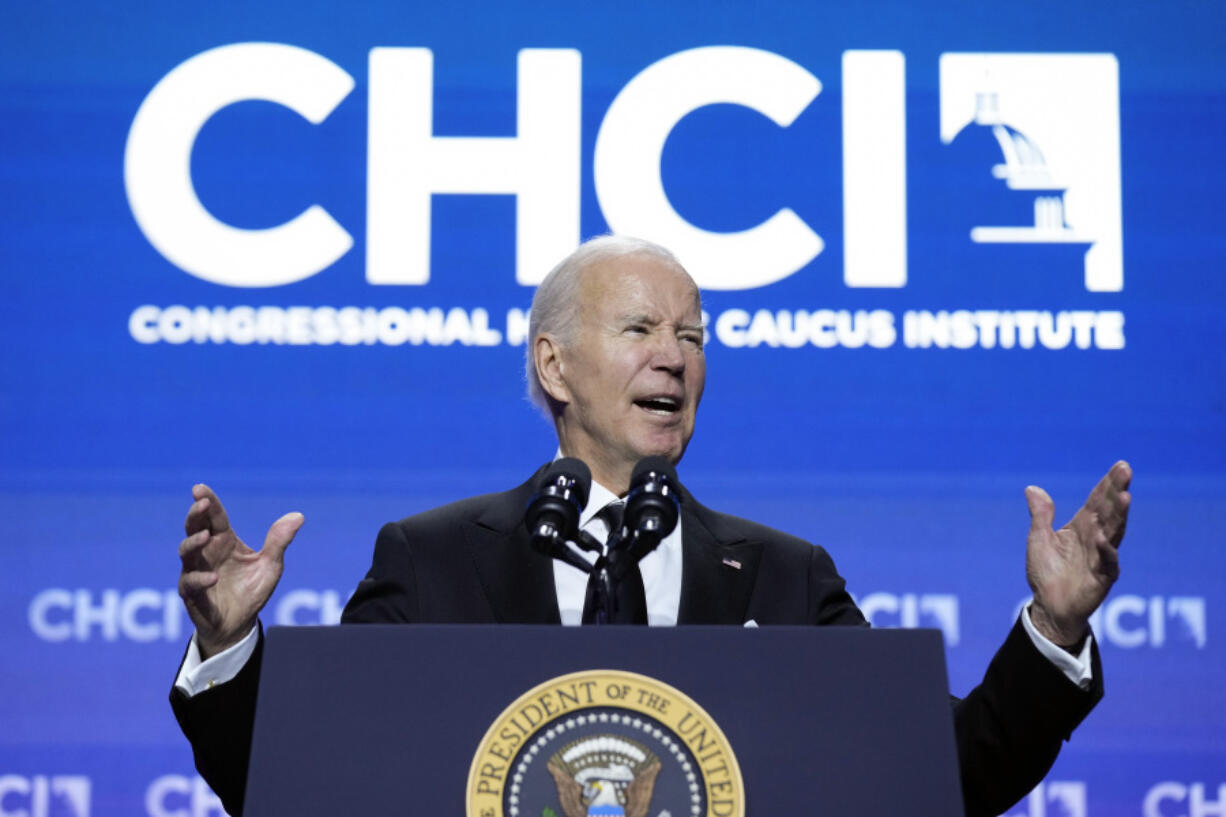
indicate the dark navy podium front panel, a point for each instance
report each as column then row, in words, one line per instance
column 383, row 719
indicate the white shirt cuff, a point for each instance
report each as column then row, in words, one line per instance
column 1075, row 667
column 196, row 675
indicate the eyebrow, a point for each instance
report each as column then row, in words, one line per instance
column 642, row 317
column 638, row 317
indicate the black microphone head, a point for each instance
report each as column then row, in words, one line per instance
column 653, row 504
column 552, row 515
column 649, row 465
column 578, row 474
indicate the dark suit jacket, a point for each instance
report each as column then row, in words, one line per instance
column 471, row 562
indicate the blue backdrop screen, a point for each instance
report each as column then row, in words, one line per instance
column 947, row 250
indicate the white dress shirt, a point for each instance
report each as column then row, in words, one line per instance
column 661, row 569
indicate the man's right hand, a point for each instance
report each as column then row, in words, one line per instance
column 224, row 584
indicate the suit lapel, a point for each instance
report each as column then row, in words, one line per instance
column 517, row 580
column 718, row 569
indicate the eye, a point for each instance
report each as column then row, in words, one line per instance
column 637, row 329
column 692, row 338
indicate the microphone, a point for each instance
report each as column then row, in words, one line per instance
column 653, row 506
column 552, row 515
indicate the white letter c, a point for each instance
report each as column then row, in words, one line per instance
column 631, row 141
column 157, row 164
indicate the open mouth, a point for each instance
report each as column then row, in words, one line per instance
column 661, row 405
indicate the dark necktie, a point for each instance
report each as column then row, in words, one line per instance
column 629, row 602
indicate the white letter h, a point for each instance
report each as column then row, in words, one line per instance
column 407, row 163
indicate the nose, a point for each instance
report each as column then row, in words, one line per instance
column 668, row 355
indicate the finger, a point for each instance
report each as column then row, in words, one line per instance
column 1042, row 509
column 1111, row 511
column 1109, row 560
column 1123, row 503
column 1103, row 495
column 1113, row 483
column 282, row 533
column 190, row 547
column 194, row 582
column 197, row 517
column 1104, row 502
column 206, row 511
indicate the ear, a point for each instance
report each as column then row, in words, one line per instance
column 547, row 356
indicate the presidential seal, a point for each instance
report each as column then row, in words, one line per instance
column 604, row 743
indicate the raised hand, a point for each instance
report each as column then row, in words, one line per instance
column 224, row 584
column 1070, row 570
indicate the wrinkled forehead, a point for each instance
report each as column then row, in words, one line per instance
column 639, row 283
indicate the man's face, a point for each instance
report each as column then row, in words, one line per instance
column 635, row 370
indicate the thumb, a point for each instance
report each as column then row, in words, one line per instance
column 282, row 533
column 1042, row 509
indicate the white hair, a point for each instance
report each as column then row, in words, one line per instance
column 555, row 304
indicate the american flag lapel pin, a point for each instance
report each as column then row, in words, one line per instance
column 732, row 563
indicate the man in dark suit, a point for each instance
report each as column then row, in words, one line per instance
column 615, row 357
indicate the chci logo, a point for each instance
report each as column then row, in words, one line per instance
column 608, row 743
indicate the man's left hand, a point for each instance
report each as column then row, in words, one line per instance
column 1070, row 570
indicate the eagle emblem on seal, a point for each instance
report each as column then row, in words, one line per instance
column 604, row 776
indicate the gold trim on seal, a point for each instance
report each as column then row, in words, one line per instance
column 572, row 693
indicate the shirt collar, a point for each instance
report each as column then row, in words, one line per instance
column 598, row 497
